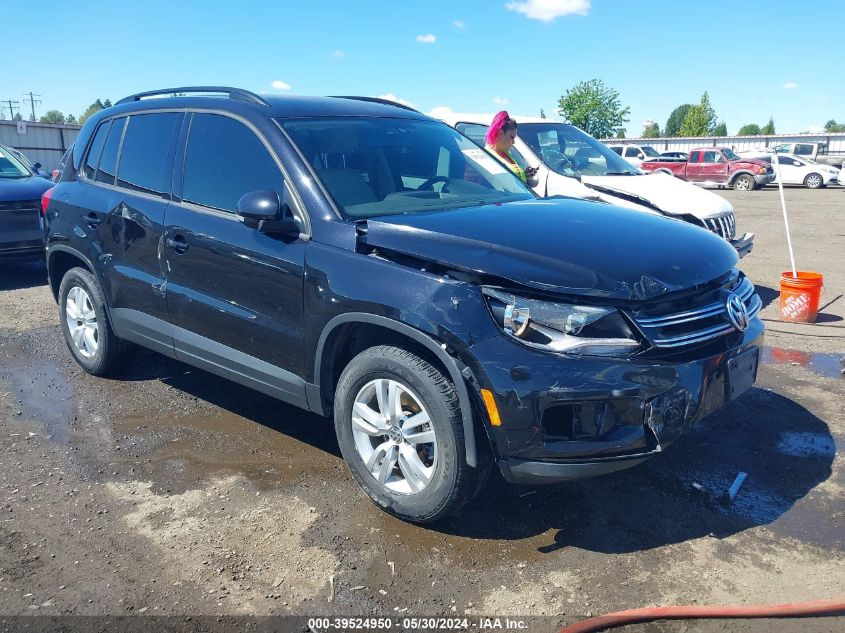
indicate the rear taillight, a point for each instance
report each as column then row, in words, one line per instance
column 45, row 201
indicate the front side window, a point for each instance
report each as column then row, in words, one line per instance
column 712, row 157
column 476, row 132
column 146, row 156
column 224, row 161
column 570, row 152
column 383, row 166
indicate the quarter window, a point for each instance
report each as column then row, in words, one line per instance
column 146, row 157
column 108, row 161
column 225, row 160
column 95, row 150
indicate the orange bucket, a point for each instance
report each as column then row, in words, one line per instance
column 799, row 296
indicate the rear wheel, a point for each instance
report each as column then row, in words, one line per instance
column 400, row 431
column 813, row 181
column 744, row 182
column 85, row 324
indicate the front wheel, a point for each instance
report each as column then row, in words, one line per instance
column 400, row 431
column 744, row 183
column 813, row 181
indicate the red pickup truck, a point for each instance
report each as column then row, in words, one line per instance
column 715, row 166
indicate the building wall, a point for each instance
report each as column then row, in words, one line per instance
column 43, row 143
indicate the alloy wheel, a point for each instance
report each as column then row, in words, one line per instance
column 82, row 322
column 394, row 436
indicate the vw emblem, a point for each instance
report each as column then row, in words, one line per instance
column 737, row 312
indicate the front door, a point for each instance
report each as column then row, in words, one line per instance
column 234, row 294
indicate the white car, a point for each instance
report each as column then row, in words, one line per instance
column 797, row 170
column 574, row 164
column 634, row 154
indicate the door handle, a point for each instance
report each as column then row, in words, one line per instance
column 93, row 220
column 178, row 243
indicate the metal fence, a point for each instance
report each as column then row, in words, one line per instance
column 42, row 142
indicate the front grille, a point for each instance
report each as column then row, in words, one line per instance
column 20, row 205
column 724, row 226
column 698, row 324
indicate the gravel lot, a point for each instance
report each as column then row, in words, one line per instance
column 173, row 492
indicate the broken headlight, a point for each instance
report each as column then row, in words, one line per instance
column 562, row 327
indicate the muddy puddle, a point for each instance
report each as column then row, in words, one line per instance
column 827, row 365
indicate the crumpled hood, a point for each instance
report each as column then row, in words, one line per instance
column 665, row 192
column 31, row 188
column 563, row 246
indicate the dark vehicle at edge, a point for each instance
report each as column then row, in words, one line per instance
column 371, row 264
column 21, row 230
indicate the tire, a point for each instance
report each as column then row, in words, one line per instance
column 377, row 449
column 744, row 182
column 813, row 181
column 86, row 327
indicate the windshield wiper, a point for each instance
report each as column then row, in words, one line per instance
column 621, row 173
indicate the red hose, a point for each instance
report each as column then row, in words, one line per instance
column 830, row 606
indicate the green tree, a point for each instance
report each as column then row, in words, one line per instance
column 595, row 108
column 53, row 116
column 833, row 126
column 542, row 114
column 651, row 131
column 93, row 108
column 752, row 129
column 769, row 128
column 700, row 120
column 620, row 133
column 106, row 104
column 70, row 120
column 721, row 129
column 676, row 120
column 18, row 117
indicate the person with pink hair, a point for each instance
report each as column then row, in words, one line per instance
column 498, row 141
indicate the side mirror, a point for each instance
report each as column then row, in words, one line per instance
column 37, row 166
column 259, row 205
column 796, row 163
column 640, row 155
column 262, row 210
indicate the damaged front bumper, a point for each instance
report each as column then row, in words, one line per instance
column 744, row 244
column 565, row 418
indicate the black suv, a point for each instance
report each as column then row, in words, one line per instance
column 358, row 259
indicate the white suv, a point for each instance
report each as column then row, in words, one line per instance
column 635, row 154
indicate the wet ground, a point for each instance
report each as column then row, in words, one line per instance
column 171, row 491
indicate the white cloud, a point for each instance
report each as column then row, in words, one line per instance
column 440, row 112
column 392, row 97
column 549, row 10
column 500, row 101
column 427, row 39
column 338, row 54
column 280, row 85
column 815, row 129
column 790, row 85
column 458, row 24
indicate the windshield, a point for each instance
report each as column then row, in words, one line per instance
column 730, row 154
column 381, row 166
column 570, row 152
column 11, row 167
column 648, row 150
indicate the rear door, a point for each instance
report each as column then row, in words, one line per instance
column 130, row 172
column 234, row 294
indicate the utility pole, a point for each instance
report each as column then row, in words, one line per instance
column 11, row 105
column 32, row 102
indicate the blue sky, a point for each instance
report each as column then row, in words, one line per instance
column 756, row 58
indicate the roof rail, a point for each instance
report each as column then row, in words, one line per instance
column 233, row 93
column 377, row 100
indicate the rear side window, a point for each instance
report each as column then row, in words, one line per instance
column 146, row 157
column 225, row 160
column 108, row 161
column 617, row 149
column 95, row 150
column 802, row 149
column 631, row 152
column 695, row 157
